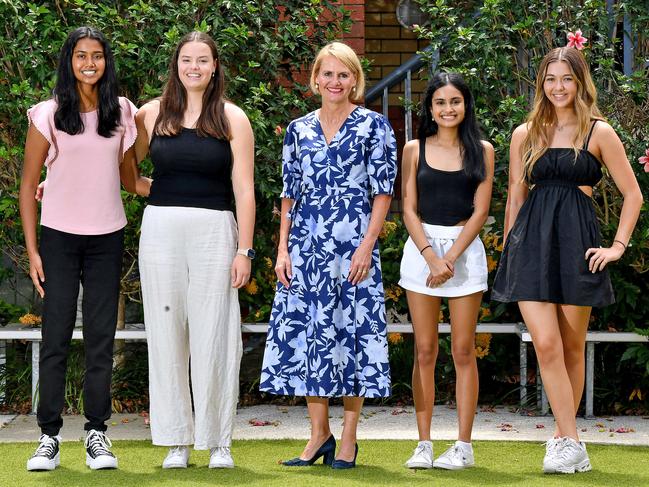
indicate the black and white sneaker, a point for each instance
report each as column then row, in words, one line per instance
column 98, row 454
column 47, row 456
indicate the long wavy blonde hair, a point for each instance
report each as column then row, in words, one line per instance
column 543, row 116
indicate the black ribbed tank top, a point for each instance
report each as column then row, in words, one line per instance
column 193, row 171
column 443, row 197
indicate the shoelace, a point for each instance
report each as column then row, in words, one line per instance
column 176, row 451
column 551, row 444
column 46, row 448
column 456, row 453
column 420, row 449
column 98, row 443
column 221, row 450
column 565, row 448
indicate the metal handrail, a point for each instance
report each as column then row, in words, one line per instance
column 400, row 74
column 397, row 76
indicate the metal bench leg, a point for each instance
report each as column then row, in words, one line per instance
column 523, row 371
column 590, row 377
column 36, row 355
column 544, row 402
column 3, row 362
column 541, row 397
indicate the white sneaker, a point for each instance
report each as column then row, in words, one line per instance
column 220, row 457
column 178, row 457
column 422, row 457
column 457, row 457
column 47, row 455
column 98, row 454
column 568, row 456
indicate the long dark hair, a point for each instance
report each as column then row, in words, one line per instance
column 66, row 117
column 212, row 120
column 471, row 147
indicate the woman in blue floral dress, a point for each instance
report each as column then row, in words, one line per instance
column 327, row 333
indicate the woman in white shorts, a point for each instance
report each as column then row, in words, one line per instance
column 447, row 179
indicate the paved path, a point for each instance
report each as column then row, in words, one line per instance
column 271, row 422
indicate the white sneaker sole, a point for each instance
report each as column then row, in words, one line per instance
column 448, row 466
column 101, row 462
column 221, row 465
column 41, row 463
column 174, row 465
column 583, row 466
column 419, row 465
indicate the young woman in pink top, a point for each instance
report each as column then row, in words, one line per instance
column 82, row 135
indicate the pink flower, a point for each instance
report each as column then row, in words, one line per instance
column 645, row 160
column 576, row 40
column 278, row 130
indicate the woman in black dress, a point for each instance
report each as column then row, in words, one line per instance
column 553, row 263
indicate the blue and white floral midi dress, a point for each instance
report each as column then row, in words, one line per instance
column 327, row 337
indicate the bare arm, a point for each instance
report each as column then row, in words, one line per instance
column 362, row 257
column 129, row 169
column 243, row 185
column 409, row 194
column 613, row 155
column 283, row 264
column 517, row 190
column 36, row 148
column 440, row 269
column 129, row 174
column 481, row 208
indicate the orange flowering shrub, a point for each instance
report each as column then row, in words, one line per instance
column 30, row 319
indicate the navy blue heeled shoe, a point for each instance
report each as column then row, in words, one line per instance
column 342, row 464
column 327, row 450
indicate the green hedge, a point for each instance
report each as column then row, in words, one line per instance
column 262, row 56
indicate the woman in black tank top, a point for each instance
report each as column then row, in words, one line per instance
column 553, row 263
column 194, row 255
column 447, row 179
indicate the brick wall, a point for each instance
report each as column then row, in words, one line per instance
column 356, row 38
column 389, row 45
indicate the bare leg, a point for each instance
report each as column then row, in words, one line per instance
column 424, row 311
column 319, row 415
column 352, row 407
column 573, row 325
column 464, row 315
column 542, row 320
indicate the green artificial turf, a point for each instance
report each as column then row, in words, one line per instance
column 380, row 463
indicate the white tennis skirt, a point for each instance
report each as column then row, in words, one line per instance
column 470, row 274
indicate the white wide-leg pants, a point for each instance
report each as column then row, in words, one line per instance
column 190, row 311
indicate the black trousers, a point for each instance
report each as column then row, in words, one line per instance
column 95, row 261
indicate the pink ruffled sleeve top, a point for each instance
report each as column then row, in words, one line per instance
column 82, row 195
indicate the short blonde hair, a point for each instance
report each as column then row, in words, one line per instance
column 347, row 56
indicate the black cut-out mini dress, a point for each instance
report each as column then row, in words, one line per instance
column 544, row 256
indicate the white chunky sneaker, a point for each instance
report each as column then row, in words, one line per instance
column 178, row 457
column 47, row 455
column 422, row 457
column 459, row 456
column 220, row 457
column 98, row 454
column 567, row 456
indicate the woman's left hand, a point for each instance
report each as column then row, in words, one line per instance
column 598, row 257
column 359, row 268
column 40, row 189
column 240, row 271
